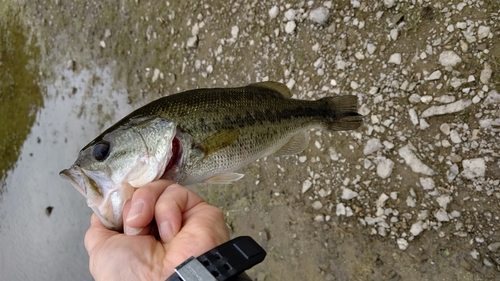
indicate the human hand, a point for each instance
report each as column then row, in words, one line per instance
column 184, row 226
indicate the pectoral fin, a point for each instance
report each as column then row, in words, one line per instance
column 224, row 178
column 219, row 141
column 295, row 145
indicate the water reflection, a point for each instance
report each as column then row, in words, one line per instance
column 20, row 95
column 43, row 219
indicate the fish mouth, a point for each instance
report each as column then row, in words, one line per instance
column 77, row 178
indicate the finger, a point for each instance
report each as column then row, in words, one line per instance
column 174, row 201
column 133, row 230
column 141, row 210
column 97, row 234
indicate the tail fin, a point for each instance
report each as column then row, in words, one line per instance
column 344, row 113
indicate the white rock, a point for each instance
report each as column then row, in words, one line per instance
column 427, row 183
column 417, row 228
column 423, row 124
column 234, row 31
column 443, row 201
column 461, row 25
column 290, row 27
column 389, row 3
column 273, row 12
column 319, row 218
column 445, row 99
column 318, row 63
column 483, row 32
column 486, row 74
column 402, row 243
column 473, row 168
column 388, row 144
column 413, row 116
column 340, row 210
column 452, row 173
column 445, row 128
column 306, row 185
column 410, row 202
column 102, row 44
column 415, row 164
column 317, row 205
column 290, row 14
column 355, row 3
column 348, row 212
column 348, row 194
column 493, row 98
column 290, row 83
column 441, row 215
column 426, row 99
column 354, row 85
column 446, row 109
column 381, row 200
column 394, row 195
column 384, row 168
column 455, row 137
column 395, row 58
column 107, row 33
column 394, row 34
column 370, row 48
column 456, row 82
column 192, row 42
column 469, row 37
column 434, row 76
column 372, row 145
column 319, row 15
column 449, row 58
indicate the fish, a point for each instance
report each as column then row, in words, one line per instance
column 200, row 135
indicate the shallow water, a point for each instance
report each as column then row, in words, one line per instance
column 43, row 219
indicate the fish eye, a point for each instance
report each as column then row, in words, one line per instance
column 101, row 151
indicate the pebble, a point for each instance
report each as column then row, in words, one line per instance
column 389, row 3
column 415, row 164
column 473, row 168
column 445, row 128
column 434, row 76
column 394, row 34
column 417, row 228
column 402, row 243
column 494, row 247
column 192, row 42
column 461, row 25
column 445, row 99
column 395, row 58
column 306, row 185
column 340, row 210
column 319, row 218
column 102, row 44
column 290, row 27
column 413, row 116
column 449, row 59
column 348, row 194
column 384, row 168
column 234, row 31
column 290, row 14
column 443, row 201
column 372, row 145
column 319, row 15
column 427, row 183
column 493, row 98
column 370, row 48
column 483, row 32
column 455, row 137
column 442, row 215
column 486, row 74
column 446, row 109
column 317, row 205
column 273, row 12
column 452, row 173
column 474, row 254
column 381, row 200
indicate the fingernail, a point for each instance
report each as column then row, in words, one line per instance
column 132, row 230
column 135, row 210
column 166, row 231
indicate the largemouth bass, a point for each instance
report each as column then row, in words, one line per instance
column 201, row 135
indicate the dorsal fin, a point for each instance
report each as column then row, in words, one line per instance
column 275, row 86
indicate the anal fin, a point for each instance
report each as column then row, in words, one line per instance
column 295, row 145
column 224, row 178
